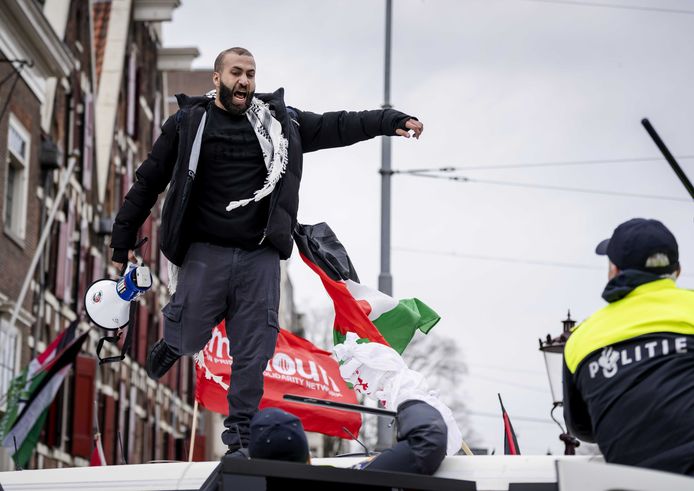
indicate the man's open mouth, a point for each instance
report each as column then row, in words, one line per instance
column 240, row 95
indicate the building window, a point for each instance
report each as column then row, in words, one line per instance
column 9, row 359
column 16, row 187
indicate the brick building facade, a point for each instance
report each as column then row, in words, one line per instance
column 88, row 82
column 78, row 81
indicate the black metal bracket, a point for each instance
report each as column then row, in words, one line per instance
column 100, row 345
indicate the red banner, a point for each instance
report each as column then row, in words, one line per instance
column 297, row 367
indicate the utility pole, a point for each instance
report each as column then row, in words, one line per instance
column 385, row 279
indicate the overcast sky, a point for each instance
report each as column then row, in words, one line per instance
column 495, row 82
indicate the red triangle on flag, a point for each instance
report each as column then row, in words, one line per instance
column 97, row 457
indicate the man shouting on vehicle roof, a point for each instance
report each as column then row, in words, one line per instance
column 233, row 163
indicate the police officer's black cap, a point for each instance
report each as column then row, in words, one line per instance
column 634, row 241
column 277, row 435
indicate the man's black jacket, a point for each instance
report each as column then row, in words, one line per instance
column 168, row 163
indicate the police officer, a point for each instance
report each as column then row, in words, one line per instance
column 629, row 368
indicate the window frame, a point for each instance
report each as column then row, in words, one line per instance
column 16, row 229
column 5, row 334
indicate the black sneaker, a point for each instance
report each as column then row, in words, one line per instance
column 160, row 359
column 236, row 452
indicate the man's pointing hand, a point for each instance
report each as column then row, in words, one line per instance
column 411, row 124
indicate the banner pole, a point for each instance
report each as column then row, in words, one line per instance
column 466, row 449
column 339, row 405
column 353, row 407
column 193, row 430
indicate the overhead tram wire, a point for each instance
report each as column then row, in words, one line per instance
column 547, row 187
column 513, row 260
column 576, row 3
column 516, row 370
column 528, row 419
column 530, row 165
column 510, row 383
column 532, row 262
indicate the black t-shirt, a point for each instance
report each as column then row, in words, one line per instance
column 231, row 167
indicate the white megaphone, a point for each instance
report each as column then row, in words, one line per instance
column 107, row 301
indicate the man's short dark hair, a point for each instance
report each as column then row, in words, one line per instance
column 218, row 62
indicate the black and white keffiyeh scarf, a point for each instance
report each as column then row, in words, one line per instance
column 274, row 146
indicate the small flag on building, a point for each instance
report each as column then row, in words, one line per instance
column 32, row 392
column 510, row 442
column 98, row 457
column 360, row 309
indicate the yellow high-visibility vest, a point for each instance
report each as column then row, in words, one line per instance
column 658, row 306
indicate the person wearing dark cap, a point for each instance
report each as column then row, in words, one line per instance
column 421, row 446
column 629, row 368
column 278, row 435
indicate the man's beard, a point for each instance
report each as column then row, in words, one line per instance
column 226, row 97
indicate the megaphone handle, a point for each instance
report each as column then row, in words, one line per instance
column 139, row 244
column 135, row 247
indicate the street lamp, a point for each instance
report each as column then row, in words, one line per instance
column 553, row 351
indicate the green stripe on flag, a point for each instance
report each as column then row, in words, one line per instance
column 339, row 338
column 26, row 428
column 12, row 403
column 399, row 325
column 24, row 452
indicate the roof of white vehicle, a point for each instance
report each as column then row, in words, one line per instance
column 488, row 472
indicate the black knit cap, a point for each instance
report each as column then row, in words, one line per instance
column 277, row 435
column 634, row 241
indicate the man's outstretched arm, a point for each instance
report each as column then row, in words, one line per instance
column 152, row 178
column 342, row 128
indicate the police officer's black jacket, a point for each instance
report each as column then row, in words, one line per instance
column 629, row 376
column 168, row 163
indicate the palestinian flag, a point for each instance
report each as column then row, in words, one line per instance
column 33, row 390
column 510, row 441
column 21, row 385
column 360, row 309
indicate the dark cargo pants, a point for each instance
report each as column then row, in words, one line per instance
column 216, row 283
